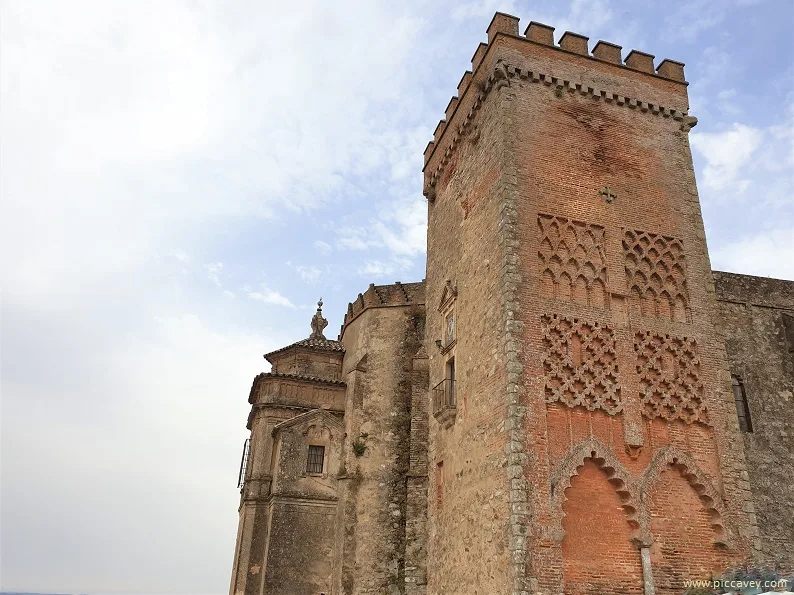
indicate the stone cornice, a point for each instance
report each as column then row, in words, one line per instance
column 502, row 76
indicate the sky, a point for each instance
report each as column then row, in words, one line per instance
column 181, row 181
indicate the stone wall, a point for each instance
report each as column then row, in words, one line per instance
column 755, row 315
column 300, row 546
column 380, row 343
column 469, row 489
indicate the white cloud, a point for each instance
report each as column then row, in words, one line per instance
column 351, row 238
column 727, row 102
column 483, row 9
column 197, row 94
column 269, row 296
column 690, row 19
column 377, row 269
column 400, row 230
column 323, row 247
column 309, row 273
column 213, row 273
column 769, row 253
column 403, row 228
column 727, row 154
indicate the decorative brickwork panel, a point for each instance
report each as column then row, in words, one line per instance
column 580, row 364
column 656, row 275
column 572, row 261
column 669, row 370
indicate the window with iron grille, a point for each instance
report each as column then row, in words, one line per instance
column 742, row 407
column 314, row 464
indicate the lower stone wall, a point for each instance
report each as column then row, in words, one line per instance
column 754, row 313
column 373, row 526
column 299, row 555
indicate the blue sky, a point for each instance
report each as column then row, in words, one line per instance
column 181, row 181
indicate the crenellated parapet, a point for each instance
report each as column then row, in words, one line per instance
column 383, row 296
column 475, row 85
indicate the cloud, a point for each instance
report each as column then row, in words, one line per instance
column 352, row 238
column 377, row 269
column 149, row 408
column 727, row 153
column 482, row 9
column 213, row 273
column 198, row 93
column 323, row 247
column 269, row 296
column 748, row 163
column 690, row 19
column 403, row 228
column 769, row 253
column 396, row 236
column 309, row 273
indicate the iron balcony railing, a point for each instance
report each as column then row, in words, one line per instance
column 243, row 463
column 444, row 396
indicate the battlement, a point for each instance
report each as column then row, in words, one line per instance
column 571, row 47
column 383, row 296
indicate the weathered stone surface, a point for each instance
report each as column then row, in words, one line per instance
column 753, row 315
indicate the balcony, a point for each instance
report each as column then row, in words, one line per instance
column 244, row 464
column 444, row 404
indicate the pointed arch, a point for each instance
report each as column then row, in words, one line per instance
column 564, row 286
column 579, row 290
column 672, row 456
column 598, row 540
column 547, row 283
column 598, row 294
column 618, row 476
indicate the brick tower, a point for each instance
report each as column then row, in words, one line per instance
column 583, row 436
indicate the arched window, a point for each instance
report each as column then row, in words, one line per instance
column 742, row 408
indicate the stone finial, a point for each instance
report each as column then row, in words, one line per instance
column 318, row 322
